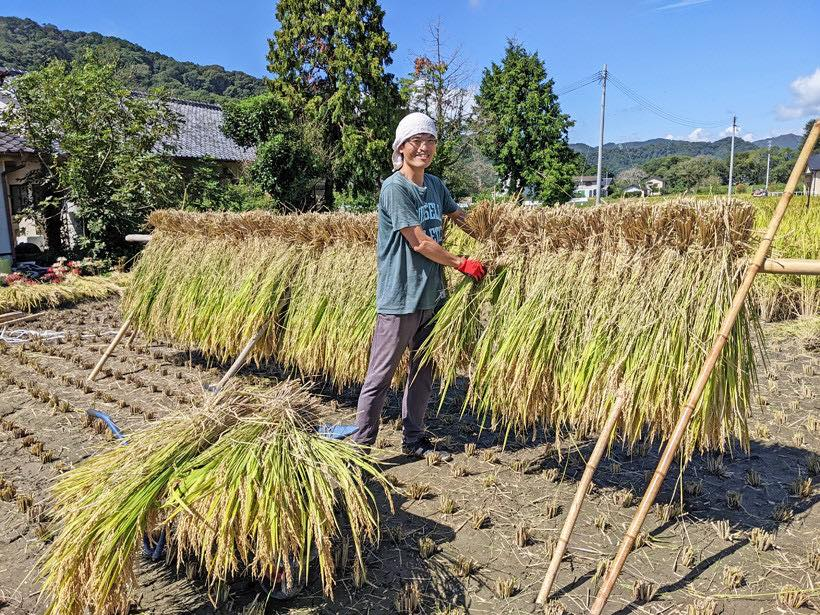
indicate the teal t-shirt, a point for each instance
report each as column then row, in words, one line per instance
column 407, row 281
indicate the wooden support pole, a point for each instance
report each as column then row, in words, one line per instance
column 706, row 370
column 795, row 266
column 136, row 238
column 240, row 360
column 580, row 495
column 10, row 316
column 110, row 349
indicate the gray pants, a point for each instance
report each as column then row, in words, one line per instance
column 393, row 334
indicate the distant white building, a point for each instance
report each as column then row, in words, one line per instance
column 812, row 177
column 653, row 186
column 586, row 187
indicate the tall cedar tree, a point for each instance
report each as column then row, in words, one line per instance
column 522, row 129
column 328, row 61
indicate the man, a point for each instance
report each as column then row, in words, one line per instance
column 410, row 283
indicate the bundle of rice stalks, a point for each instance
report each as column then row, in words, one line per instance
column 34, row 296
column 569, row 319
column 578, row 304
column 244, row 484
column 781, row 297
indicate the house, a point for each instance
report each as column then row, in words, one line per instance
column 812, row 177
column 586, row 187
column 653, row 186
column 199, row 137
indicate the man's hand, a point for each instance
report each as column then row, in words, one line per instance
column 473, row 269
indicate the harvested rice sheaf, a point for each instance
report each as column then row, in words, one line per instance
column 36, row 295
column 242, row 484
column 579, row 304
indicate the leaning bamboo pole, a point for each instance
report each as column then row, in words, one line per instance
column 706, row 370
column 110, row 349
column 580, row 495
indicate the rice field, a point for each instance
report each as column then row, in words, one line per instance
column 580, row 306
column 731, row 532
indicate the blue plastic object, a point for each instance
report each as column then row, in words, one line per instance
column 154, row 552
column 336, row 432
column 108, row 421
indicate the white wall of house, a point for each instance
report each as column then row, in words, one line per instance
column 813, row 182
column 6, row 236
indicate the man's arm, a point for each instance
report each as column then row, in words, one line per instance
column 425, row 245
column 459, row 217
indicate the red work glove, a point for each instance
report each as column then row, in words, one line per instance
column 473, row 269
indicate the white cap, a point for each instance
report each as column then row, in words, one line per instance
column 410, row 125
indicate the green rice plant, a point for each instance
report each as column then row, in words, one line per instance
column 781, row 297
column 242, row 484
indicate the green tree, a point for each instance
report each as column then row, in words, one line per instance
column 522, row 129
column 328, row 60
column 98, row 145
column 287, row 166
column 806, row 131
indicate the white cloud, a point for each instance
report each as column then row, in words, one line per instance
column 727, row 132
column 474, row 4
column 748, row 137
column 681, row 4
column 698, row 134
column 806, row 97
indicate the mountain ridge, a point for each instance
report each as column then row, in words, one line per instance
column 28, row 45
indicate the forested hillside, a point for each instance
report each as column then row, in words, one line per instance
column 27, row 45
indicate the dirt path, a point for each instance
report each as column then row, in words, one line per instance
column 493, row 514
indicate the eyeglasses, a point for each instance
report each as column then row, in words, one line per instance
column 416, row 142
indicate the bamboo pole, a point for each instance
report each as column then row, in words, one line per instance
column 240, row 360
column 706, row 370
column 795, row 266
column 110, row 349
column 580, row 495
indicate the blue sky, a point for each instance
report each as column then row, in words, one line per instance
column 700, row 60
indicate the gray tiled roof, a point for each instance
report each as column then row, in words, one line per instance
column 12, row 144
column 200, row 134
column 814, row 163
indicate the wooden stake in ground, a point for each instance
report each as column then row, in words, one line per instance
column 580, row 495
column 700, row 384
column 110, row 349
column 240, row 360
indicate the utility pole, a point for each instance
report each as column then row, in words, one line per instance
column 601, row 139
column 768, row 164
column 732, row 154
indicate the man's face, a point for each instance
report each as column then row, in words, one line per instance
column 418, row 150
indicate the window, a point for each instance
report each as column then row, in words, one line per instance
column 19, row 197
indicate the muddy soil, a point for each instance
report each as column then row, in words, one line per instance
column 493, row 512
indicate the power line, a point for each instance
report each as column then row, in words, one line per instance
column 658, row 110
column 577, row 85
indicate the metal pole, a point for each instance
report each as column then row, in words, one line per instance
column 578, row 502
column 768, row 165
column 700, row 384
column 732, row 153
column 601, row 138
